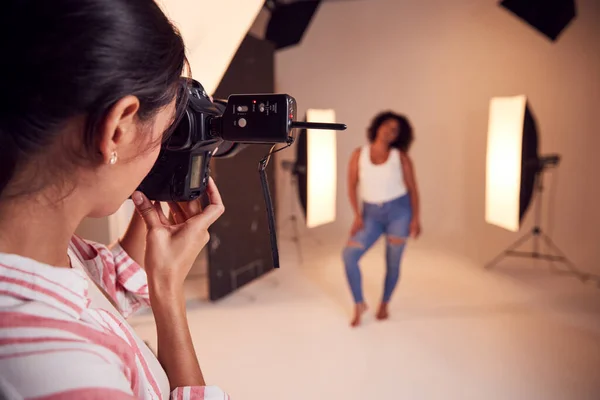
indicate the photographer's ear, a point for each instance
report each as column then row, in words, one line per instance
column 118, row 128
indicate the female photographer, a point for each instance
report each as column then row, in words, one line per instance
column 388, row 190
column 89, row 89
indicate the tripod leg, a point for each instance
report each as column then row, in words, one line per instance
column 314, row 239
column 297, row 239
column 581, row 276
column 513, row 246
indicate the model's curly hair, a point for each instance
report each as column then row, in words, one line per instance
column 405, row 134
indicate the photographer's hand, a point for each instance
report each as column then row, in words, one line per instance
column 133, row 240
column 181, row 212
column 171, row 249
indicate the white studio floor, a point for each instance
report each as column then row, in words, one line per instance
column 456, row 332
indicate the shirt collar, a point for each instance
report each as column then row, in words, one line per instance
column 65, row 289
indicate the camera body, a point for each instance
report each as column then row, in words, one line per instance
column 215, row 129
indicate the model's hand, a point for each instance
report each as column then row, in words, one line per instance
column 172, row 246
column 415, row 228
column 357, row 225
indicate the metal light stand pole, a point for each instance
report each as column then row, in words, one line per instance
column 293, row 216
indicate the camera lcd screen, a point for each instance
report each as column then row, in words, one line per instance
column 195, row 177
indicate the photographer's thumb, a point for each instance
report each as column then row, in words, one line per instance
column 147, row 211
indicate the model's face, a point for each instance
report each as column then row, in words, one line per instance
column 388, row 131
column 136, row 157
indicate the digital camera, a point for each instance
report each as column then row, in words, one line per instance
column 221, row 129
column 215, row 129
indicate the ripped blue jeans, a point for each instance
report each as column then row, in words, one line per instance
column 391, row 218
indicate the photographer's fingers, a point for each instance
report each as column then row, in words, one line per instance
column 213, row 192
column 212, row 212
column 179, row 216
column 147, row 211
column 161, row 215
column 215, row 209
column 190, row 208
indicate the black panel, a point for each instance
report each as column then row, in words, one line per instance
column 550, row 17
column 239, row 249
column 289, row 22
column 302, row 168
column 529, row 161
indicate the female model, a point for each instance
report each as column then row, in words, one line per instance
column 382, row 175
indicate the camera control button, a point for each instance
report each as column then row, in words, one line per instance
column 242, row 122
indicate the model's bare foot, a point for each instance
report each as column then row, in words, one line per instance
column 358, row 312
column 383, row 313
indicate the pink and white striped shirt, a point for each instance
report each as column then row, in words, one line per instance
column 54, row 344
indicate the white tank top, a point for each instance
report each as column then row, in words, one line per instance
column 383, row 182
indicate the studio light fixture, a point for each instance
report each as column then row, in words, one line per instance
column 314, row 173
column 321, row 170
column 290, row 19
column 212, row 33
column 512, row 152
column 548, row 17
column 514, row 176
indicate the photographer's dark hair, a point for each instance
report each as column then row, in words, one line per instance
column 405, row 136
column 76, row 58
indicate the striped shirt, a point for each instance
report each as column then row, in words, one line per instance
column 54, row 344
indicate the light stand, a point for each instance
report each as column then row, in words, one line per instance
column 293, row 169
column 290, row 167
column 536, row 233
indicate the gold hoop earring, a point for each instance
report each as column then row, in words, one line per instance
column 113, row 158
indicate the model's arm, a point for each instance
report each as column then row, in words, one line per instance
column 353, row 183
column 411, row 184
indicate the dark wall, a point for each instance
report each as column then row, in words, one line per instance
column 239, row 250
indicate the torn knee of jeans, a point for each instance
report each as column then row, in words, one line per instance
column 355, row 244
column 396, row 241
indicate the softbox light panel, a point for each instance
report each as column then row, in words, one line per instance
column 511, row 163
column 316, row 166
